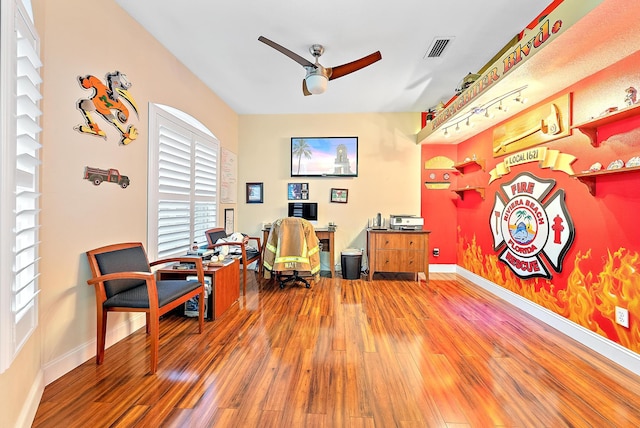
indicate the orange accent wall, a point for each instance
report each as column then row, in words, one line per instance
column 602, row 268
column 438, row 207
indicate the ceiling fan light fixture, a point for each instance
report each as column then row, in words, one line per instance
column 316, row 83
column 317, row 77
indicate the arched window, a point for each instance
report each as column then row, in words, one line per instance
column 183, row 182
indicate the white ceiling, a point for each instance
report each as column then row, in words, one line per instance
column 218, row 41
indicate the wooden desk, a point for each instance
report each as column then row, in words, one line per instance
column 398, row 251
column 225, row 285
column 325, row 235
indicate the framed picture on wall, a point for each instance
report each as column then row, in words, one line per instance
column 297, row 191
column 229, row 225
column 254, row 193
column 339, row 195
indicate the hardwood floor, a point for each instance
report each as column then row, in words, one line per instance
column 387, row 353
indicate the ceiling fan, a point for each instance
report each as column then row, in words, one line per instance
column 315, row 82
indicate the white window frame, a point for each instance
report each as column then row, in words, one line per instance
column 194, row 189
column 19, row 173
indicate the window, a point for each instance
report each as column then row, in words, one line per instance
column 183, row 182
column 19, row 168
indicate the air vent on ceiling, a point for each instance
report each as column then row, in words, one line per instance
column 438, row 46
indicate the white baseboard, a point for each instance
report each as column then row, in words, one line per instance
column 442, row 268
column 65, row 363
column 32, row 402
column 72, row 359
column 603, row 346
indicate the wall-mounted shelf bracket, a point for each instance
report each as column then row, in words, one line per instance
column 590, row 178
column 590, row 128
column 462, row 191
column 461, row 166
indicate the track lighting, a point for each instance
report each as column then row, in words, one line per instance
column 485, row 109
column 520, row 99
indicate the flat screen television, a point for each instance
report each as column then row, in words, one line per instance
column 324, row 156
column 306, row 210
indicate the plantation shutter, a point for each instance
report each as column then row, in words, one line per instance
column 187, row 187
column 205, row 191
column 174, row 187
column 21, row 204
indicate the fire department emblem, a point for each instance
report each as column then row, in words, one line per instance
column 531, row 223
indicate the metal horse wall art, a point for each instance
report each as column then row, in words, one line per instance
column 106, row 100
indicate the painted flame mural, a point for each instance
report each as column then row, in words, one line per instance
column 589, row 298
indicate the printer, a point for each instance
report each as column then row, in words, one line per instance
column 405, row 222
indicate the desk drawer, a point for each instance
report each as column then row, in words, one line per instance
column 405, row 241
column 399, row 261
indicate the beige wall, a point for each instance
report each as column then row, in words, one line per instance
column 76, row 215
column 388, row 179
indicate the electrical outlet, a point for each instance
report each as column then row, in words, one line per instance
column 436, row 252
column 622, row 316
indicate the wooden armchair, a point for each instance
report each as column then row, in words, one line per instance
column 248, row 254
column 121, row 274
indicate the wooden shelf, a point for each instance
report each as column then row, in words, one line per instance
column 461, row 166
column 590, row 128
column 590, row 178
column 461, row 192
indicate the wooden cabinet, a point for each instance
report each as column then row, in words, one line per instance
column 398, row 251
column 225, row 285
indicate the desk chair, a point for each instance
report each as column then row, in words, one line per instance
column 292, row 248
column 247, row 255
column 121, row 274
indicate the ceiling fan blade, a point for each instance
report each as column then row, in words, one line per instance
column 305, row 90
column 356, row 65
column 294, row 56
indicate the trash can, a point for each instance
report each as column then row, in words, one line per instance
column 351, row 261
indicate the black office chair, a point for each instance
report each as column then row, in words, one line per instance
column 292, row 252
column 248, row 254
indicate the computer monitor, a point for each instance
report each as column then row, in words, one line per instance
column 306, row 210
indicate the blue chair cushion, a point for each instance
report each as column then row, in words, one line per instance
column 131, row 259
column 251, row 252
column 137, row 297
